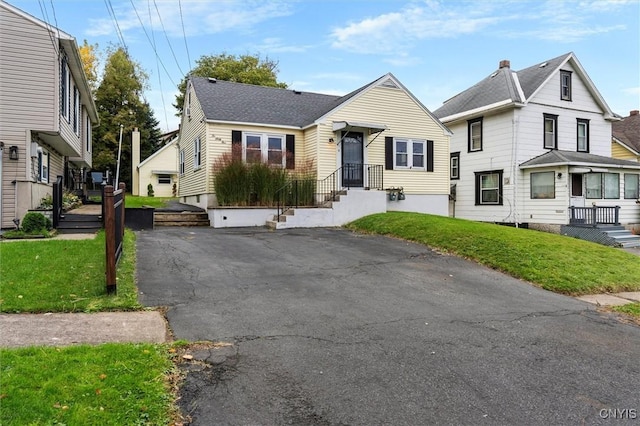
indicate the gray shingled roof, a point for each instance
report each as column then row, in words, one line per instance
column 575, row 158
column 500, row 86
column 238, row 102
column 627, row 131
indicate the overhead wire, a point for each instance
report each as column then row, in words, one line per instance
column 184, row 34
column 45, row 17
column 166, row 118
column 167, row 37
column 112, row 13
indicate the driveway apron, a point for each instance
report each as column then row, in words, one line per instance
column 331, row 327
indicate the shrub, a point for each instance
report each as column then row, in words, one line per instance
column 70, row 201
column 150, row 191
column 34, row 222
column 232, row 181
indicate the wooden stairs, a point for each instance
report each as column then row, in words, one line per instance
column 181, row 218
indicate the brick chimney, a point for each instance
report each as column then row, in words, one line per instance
column 634, row 112
column 505, row 63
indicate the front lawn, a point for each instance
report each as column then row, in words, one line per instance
column 64, row 276
column 139, row 201
column 554, row 262
column 111, row 384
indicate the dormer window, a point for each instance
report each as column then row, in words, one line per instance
column 565, row 85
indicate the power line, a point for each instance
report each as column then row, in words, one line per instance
column 167, row 37
column 152, row 45
column 164, row 107
column 112, row 13
column 45, row 17
column 184, row 35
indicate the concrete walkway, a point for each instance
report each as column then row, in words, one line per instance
column 19, row 330
column 614, row 299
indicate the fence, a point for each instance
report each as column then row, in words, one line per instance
column 57, row 201
column 113, row 210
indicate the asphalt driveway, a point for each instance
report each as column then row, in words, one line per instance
column 330, row 327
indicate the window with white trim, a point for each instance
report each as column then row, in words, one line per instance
column 87, row 135
column 565, row 85
column 164, row 179
column 631, row 186
column 543, row 185
column 264, row 148
column 409, row 153
column 65, row 87
column 583, row 135
column 489, row 187
column 181, row 162
column 43, row 166
column 550, row 131
column 197, row 153
column 474, row 131
column 603, row 185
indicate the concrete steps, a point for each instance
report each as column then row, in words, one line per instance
column 184, row 218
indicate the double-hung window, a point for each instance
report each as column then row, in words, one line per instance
column 489, row 187
column 87, row 135
column 76, row 110
column 603, row 185
column 583, row 135
column 565, row 85
column 410, row 153
column 65, row 83
column 455, row 165
column 474, row 130
column 631, row 186
column 197, row 154
column 543, row 185
column 264, row 148
column 550, row 131
column 181, row 162
column 43, row 166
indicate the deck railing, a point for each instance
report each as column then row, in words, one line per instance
column 594, row 216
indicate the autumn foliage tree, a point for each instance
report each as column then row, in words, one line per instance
column 90, row 57
column 250, row 69
column 119, row 100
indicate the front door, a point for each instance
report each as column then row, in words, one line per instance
column 577, row 190
column 352, row 159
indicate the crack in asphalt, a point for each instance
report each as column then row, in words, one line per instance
column 249, row 338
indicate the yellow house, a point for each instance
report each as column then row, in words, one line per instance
column 160, row 170
column 378, row 146
column 625, row 143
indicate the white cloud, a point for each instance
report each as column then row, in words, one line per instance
column 632, row 91
column 276, row 45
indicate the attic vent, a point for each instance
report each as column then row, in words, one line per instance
column 212, row 80
column 297, row 92
column 389, row 83
column 544, row 64
column 494, row 74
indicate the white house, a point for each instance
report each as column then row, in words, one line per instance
column 533, row 147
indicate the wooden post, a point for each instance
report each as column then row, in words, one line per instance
column 110, row 239
column 123, row 188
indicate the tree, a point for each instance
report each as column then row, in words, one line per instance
column 90, row 56
column 119, row 102
column 250, row 69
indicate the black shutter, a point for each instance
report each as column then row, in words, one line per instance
column 388, row 153
column 477, row 188
column 291, row 152
column 429, row 156
column 236, row 144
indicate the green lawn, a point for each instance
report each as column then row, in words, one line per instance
column 111, row 384
column 554, row 262
column 139, row 201
column 631, row 309
column 64, row 276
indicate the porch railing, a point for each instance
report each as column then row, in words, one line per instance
column 310, row 192
column 594, row 216
column 57, row 201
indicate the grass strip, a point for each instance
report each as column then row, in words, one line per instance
column 110, row 384
column 554, row 262
column 134, row 201
column 64, row 276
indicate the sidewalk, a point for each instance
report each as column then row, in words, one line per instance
column 19, row 330
column 613, row 299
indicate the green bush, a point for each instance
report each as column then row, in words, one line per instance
column 70, row 201
column 33, row 223
column 150, row 191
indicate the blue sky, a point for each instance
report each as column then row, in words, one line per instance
column 436, row 48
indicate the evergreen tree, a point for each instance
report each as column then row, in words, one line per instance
column 119, row 102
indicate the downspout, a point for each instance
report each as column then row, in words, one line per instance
column 514, row 161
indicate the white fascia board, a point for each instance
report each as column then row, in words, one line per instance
column 476, row 111
column 592, row 166
column 242, row 123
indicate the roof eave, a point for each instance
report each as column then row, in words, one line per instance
column 495, row 107
column 626, row 146
column 582, row 164
column 246, row 123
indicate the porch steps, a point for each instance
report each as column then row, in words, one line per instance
column 79, row 224
column 184, row 218
column 609, row 235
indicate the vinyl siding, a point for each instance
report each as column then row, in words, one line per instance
column 622, row 153
column 193, row 182
column 549, row 211
column 404, row 118
column 165, row 160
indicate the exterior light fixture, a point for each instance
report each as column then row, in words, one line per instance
column 13, row 152
column 330, row 140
